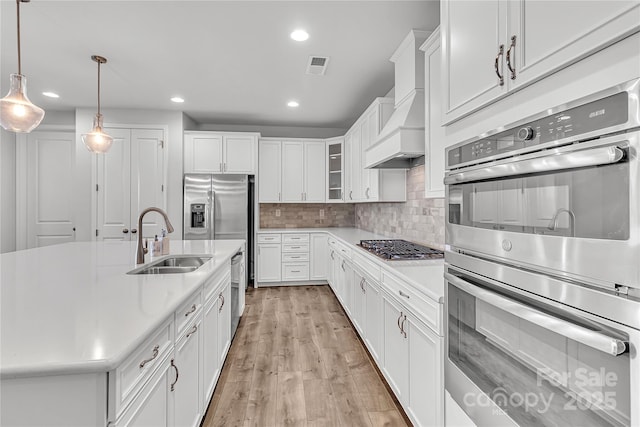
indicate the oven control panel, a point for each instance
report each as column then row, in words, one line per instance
column 597, row 115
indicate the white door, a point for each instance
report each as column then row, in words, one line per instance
column 293, row 171
column 355, row 163
column 373, row 320
column 546, row 42
column 113, row 188
column 395, row 347
column 186, row 389
column 426, row 382
column 50, row 164
column 224, row 322
column 359, row 302
column 202, row 153
column 269, row 168
column 319, row 256
column 314, row 172
column 269, row 262
column 147, row 178
column 473, row 32
column 210, row 363
column 130, row 179
column 239, row 154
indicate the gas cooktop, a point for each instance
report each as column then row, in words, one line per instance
column 395, row 249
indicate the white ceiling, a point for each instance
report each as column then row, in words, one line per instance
column 232, row 61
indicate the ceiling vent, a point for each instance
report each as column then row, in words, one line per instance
column 317, row 65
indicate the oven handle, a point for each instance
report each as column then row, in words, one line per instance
column 593, row 339
column 565, row 161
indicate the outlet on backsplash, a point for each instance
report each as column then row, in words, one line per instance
column 321, row 213
column 277, row 212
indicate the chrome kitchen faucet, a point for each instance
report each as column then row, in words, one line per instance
column 142, row 250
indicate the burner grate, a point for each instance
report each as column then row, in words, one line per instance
column 396, row 249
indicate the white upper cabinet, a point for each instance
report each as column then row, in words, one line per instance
column 545, row 42
column 212, row 152
column 292, row 171
column 434, row 131
column 335, row 169
column 472, row 33
column 269, row 171
column 370, row 185
column 492, row 47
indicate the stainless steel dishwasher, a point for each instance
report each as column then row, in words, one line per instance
column 237, row 280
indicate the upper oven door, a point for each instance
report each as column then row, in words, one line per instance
column 569, row 211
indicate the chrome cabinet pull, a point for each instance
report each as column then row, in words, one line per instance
column 362, row 285
column 332, row 257
column 221, row 305
column 173, row 385
column 279, row 197
column 399, row 317
column 512, row 69
column 193, row 308
column 192, row 331
column 351, row 195
column 156, row 351
column 500, row 76
column 588, row 337
column 402, row 294
column 295, row 271
column 402, row 326
column 366, row 192
column 221, row 170
column 342, row 265
column 295, row 257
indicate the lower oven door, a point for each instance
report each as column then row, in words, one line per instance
column 513, row 359
column 571, row 212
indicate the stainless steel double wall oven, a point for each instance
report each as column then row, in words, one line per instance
column 543, row 267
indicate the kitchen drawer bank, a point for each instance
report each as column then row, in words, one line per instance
column 153, row 359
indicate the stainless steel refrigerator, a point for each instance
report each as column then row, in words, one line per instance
column 220, row 206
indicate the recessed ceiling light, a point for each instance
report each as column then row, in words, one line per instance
column 51, row 94
column 299, row 35
column 293, row 104
column 177, row 99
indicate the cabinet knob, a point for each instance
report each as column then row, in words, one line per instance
column 134, row 231
column 125, row 230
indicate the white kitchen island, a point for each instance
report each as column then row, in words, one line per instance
column 76, row 331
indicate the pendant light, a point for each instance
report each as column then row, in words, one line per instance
column 17, row 113
column 97, row 141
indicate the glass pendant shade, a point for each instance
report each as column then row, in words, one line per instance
column 97, row 141
column 17, row 113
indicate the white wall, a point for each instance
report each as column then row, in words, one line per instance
column 7, row 191
column 85, row 162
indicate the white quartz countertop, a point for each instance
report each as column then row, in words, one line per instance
column 427, row 276
column 72, row 308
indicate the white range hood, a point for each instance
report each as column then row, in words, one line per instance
column 402, row 137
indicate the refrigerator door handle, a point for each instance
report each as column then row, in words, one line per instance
column 212, row 214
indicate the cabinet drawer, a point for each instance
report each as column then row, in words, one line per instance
column 295, row 271
column 368, row 267
column 295, row 247
column 424, row 308
column 188, row 311
column 132, row 374
column 212, row 283
column 269, row 238
column 295, row 257
column 295, row 238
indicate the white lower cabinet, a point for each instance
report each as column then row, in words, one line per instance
column 187, row 386
column 318, row 252
column 151, row 407
column 269, row 262
column 224, row 322
column 211, row 369
column 401, row 334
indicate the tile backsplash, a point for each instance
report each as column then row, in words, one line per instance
column 306, row 215
column 418, row 219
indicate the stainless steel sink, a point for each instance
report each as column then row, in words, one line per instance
column 176, row 264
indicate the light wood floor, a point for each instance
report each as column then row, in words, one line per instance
column 296, row 360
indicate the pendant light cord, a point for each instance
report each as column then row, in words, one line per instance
column 99, row 88
column 18, row 28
